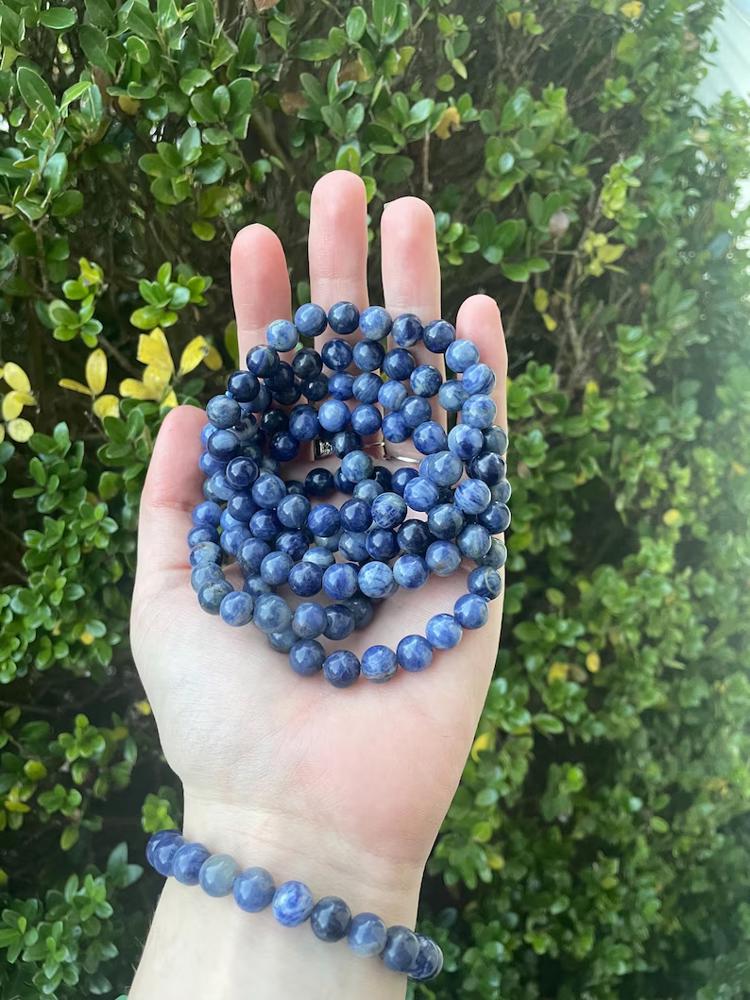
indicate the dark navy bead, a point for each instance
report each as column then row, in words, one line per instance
column 196, row 535
column 388, row 510
column 305, row 579
column 187, row 862
column 268, row 490
column 334, row 415
column 401, row 477
column 330, row 918
column 414, row 537
column 251, row 554
column 356, row 466
column 438, row 336
column 306, row 657
column 343, row 317
column 472, row 496
column 287, row 396
column 292, row 511
column 237, row 608
column 315, row 389
column 294, row 543
column 368, row 355
column 414, row 653
column 375, row 323
column 262, row 360
column 324, row 520
column 355, row 515
column 461, row 354
column 341, row 385
column 379, row 664
column 309, row 619
column 425, row 381
column 429, row 960
column 339, row 622
column 486, row 582
column 284, row 446
column 420, row 494
column 495, row 439
column 415, row 410
column 496, row 518
column 336, row 355
column 411, row 571
column 217, row 874
column 310, row 320
column 241, row 473
column 292, row 902
column 212, row 594
column 223, row 412
column 478, row 411
column 340, row 581
column 443, row 558
column 471, row 611
column 362, row 608
column 206, row 573
column 398, row 364
column 224, row 445
column 253, row 890
column 265, row 525
column 452, row 396
column 479, row 378
column 161, row 849
column 345, row 441
column 272, row 613
column 401, row 945
column 474, row 541
column 243, row 386
column 489, row 467
column 353, row 544
column 375, row 580
column 319, row 482
column 406, row 330
column 341, row 668
column 445, row 521
column 366, row 419
column 261, row 402
column 383, row 477
column 395, row 428
column 342, row 484
column 274, row 569
column 502, row 492
column 465, row 442
column 303, row 422
column 295, row 487
column 443, row 631
column 367, row 387
column 392, row 395
column 429, row 438
column 381, row 543
column 282, row 641
column 367, row 935
column 307, row 364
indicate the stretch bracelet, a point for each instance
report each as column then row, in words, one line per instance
column 292, row 903
column 282, row 533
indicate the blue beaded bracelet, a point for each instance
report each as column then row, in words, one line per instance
column 292, row 903
column 283, row 534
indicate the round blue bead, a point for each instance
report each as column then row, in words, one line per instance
column 241, row 507
column 292, row 903
column 443, row 558
column 330, row 918
column 502, row 492
column 479, row 378
column 265, row 525
column 343, row 317
column 205, row 552
column 341, row 668
column 161, row 849
column 253, row 890
column 401, row 947
column 251, row 554
column 220, row 488
column 355, row 515
column 477, row 411
column 320, row 482
column 212, row 594
column 398, row 364
column 391, row 395
column 233, row 539
column 262, row 400
column 489, row 467
column 375, row 579
column 303, row 422
column 381, row 543
column 237, row 608
column 217, row 874
column 420, row 494
column 495, row 439
column 461, row 354
column 388, row 510
column 395, row 428
column 292, row 511
column 443, row 468
column 474, row 541
column 465, row 442
column 406, row 330
column 274, row 569
column 319, row 555
column 443, row 631
column 324, row 520
column 429, row 960
column 356, row 466
column 362, row 609
column 486, row 582
column 262, row 360
column 333, row 415
column 429, row 438
column 293, row 543
column 438, row 336
column 315, row 389
column 268, row 490
column 497, row 555
column 224, row 445
column 306, row 657
column 366, row 419
column 445, row 521
column 255, row 586
column 282, row 335
column 425, row 381
column 206, row 573
column 379, row 663
column 336, row 355
column 353, row 544
column 209, row 465
column 411, row 571
column 309, row 620
column 282, row 641
column 340, row 581
column 310, row 320
column 367, row 935
column 414, row 653
column 367, row 387
column 306, row 579
column 375, row 323
column 187, row 862
column 283, row 446
column 339, row 622
column 368, row 355
column 223, row 411
column 243, row 386
column 471, row 611
column 272, row 613
column 472, row 496
column 414, row 537
column 241, row 472
column 415, row 410
column 401, row 477
column 452, row 396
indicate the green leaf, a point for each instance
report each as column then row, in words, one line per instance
column 515, row 272
column 189, row 145
column 356, row 24
column 58, row 18
column 203, row 230
column 94, row 44
column 74, row 92
column 66, row 204
column 314, row 50
column 34, row 90
column 55, row 171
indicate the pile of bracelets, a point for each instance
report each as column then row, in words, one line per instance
column 395, row 529
column 292, row 903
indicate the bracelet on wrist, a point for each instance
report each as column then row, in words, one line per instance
column 292, row 903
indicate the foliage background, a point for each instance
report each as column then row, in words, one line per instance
column 599, row 845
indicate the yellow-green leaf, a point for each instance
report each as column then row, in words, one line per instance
column 106, row 406
column 70, row 383
column 20, row 430
column 96, row 371
column 16, row 377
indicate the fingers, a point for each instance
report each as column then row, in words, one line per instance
column 479, row 320
column 260, row 285
column 411, row 276
column 172, row 488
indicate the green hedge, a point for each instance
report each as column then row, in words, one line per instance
column 599, row 845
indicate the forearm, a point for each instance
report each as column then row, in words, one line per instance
column 201, row 946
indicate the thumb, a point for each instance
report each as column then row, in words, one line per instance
column 171, row 490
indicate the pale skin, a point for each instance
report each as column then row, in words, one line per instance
column 343, row 789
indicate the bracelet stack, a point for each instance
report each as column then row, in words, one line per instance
column 283, row 534
column 292, row 903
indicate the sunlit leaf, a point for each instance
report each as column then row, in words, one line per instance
column 96, row 371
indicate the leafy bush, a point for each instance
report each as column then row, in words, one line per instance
column 599, row 845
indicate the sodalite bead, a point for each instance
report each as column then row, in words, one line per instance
column 210, row 465
column 465, row 442
column 334, row 415
column 395, row 428
column 224, row 445
column 339, row 622
column 367, row 387
column 366, row 419
column 375, row 579
column 187, row 863
column 479, row 378
column 414, row 537
column 496, row 439
column 310, row 320
column 241, row 507
column 443, row 558
column 401, row 477
column 293, row 543
column 401, row 949
column 379, row 664
column 415, row 410
column 388, row 510
column 430, row 438
column 425, row 381
column 207, row 573
column 282, row 335
column 442, row 468
column 303, row 422
column 306, row 657
column 478, row 411
column 452, row 396
column 461, row 354
column 496, row 517
column 272, row 613
column 345, row 441
column 282, row 641
column 265, row 525
column 253, row 890
column 471, row 611
column 336, row 355
column 309, row 620
column 356, row 466
column 212, row 594
column 315, row 389
column 319, row 482
column 438, row 336
column 243, row 386
column 305, row 579
column 262, row 400
column 251, row 554
column 217, row 874
column 486, row 582
column 355, row 515
column 414, row 653
column 340, row 581
column 275, row 568
column 292, row 903
column 161, row 850
column 324, row 520
column 368, row 490
column 445, row 521
column 472, row 496
column 353, row 545
column 223, row 411
column 375, row 323
column 443, row 631
column 474, row 541
column 307, row 363
column 268, row 490
column 429, row 960
column 367, row 935
column 420, row 494
column 381, row 543
column 406, row 330
column 330, row 918
column 410, row 571
column 488, row 467
column 262, row 360
column 255, row 586
column 368, row 355
column 343, row 317
column 502, row 492
column 237, row 608
column 319, row 555
column 341, row 668
column 398, row 364
column 233, row 539
column 205, row 552
column 392, row 395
